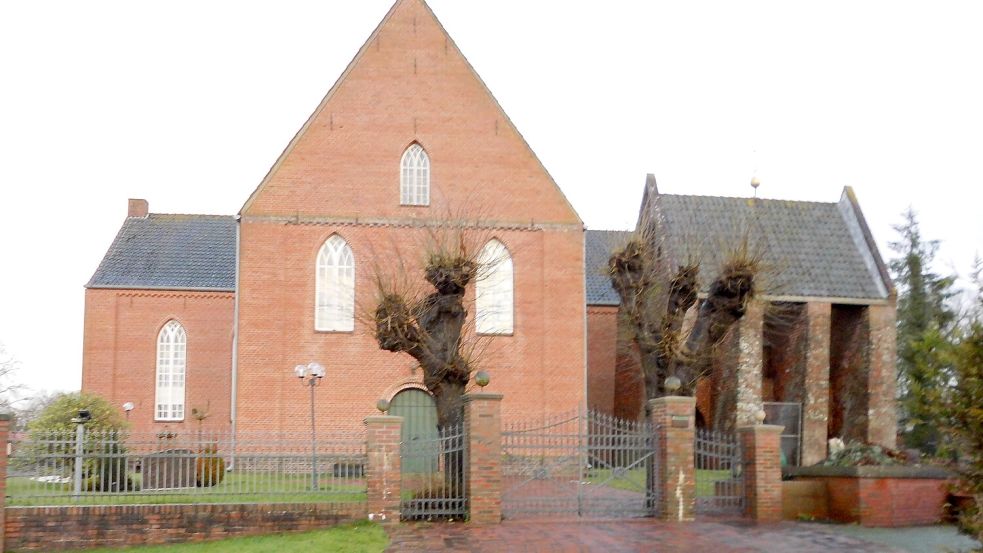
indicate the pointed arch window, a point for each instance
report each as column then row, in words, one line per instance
column 494, row 298
column 414, row 180
column 334, row 309
column 172, row 359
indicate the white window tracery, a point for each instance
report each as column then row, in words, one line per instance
column 172, row 359
column 495, row 294
column 414, row 180
column 334, row 309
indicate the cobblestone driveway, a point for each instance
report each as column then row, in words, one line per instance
column 626, row 536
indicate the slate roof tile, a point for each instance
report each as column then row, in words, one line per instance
column 170, row 252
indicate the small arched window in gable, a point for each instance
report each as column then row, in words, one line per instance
column 172, row 360
column 334, row 309
column 494, row 298
column 414, row 180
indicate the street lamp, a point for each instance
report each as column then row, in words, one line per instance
column 310, row 375
column 128, row 406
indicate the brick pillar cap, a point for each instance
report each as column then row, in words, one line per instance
column 381, row 419
column 762, row 428
column 672, row 399
column 482, row 396
column 6, row 417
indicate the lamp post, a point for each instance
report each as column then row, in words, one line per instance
column 128, row 406
column 83, row 417
column 310, row 375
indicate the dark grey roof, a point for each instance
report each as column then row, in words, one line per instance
column 599, row 245
column 171, row 252
column 809, row 249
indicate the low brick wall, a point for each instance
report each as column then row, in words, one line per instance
column 880, row 496
column 78, row 527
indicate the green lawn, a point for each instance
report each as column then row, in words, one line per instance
column 362, row 537
column 235, row 487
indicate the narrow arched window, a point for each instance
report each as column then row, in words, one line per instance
column 172, row 360
column 494, row 296
column 334, row 308
column 414, row 180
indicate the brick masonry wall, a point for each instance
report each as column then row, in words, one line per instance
column 341, row 175
column 483, row 479
column 815, row 408
column 673, row 417
column 119, row 360
column 760, row 446
column 602, row 353
column 61, row 528
column 885, row 502
column 882, row 378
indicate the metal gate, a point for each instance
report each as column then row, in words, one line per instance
column 433, row 470
column 586, row 465
column 719, row 473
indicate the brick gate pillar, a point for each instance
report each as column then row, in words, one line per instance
column 672, row 418
column 383, row 478
column 483, row 477
column 761, row 449
column 4, row 435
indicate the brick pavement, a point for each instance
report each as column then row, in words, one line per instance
column 626, row 536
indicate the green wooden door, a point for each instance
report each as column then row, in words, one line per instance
column 420, row 447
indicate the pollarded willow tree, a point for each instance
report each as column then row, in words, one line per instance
column 656, row 296
column 432, row 327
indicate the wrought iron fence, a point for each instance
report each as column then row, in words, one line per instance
column 582, row 465
column 719, row 473
column 65, row 468
column 433, row 476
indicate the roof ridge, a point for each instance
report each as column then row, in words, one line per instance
column 202, row 215
column 719, row 197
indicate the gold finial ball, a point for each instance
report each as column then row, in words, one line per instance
column 673, row 384
column 482, row 378
column 760, row 416
column 382, row 405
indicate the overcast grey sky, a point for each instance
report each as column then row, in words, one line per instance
column 187, row 104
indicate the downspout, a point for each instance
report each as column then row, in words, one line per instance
column 586, row 348
column 235, row 349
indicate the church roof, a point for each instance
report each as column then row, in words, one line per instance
column 599, row 244
column 174, row 252
column 809, row 249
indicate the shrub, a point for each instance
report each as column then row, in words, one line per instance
column 857, row 454
column 209, row 467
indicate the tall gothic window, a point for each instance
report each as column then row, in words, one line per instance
column 414, row 180
column 494, row 290
column 334, row 308
column 172, row 359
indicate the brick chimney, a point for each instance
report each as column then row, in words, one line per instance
column 138, row 208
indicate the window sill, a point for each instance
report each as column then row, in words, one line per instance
column 319, row 331
column 168, row 420
column 493, row 334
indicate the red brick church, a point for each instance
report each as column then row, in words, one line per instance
column 211, row 313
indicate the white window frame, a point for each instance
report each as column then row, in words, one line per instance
column 495, row 290
column 334, row 296
column 414, row 176
column 171, row 374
